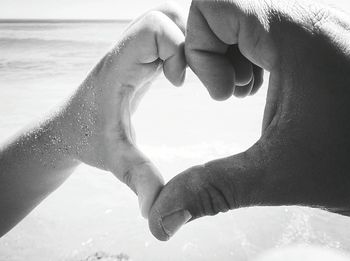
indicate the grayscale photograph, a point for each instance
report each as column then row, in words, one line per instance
column 185, row 130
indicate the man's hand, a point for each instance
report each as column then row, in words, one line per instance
column 99, row 113
column 302, row 156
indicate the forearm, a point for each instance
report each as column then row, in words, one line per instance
column 32, row 165
column 40, row 158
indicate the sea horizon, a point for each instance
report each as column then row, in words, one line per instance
column 42, row 63
column 60, row 20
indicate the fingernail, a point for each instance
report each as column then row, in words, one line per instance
column 175, row 221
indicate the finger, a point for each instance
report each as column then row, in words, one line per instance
column 175, row 66
column 212, row 27
column 206, row 56
column 170, row 43
column 243, row 67
column 258, row 79
column 136, row 170
column 148, row 182
column 126, row 161
column 245, row 90
column 163, row 42
column 203, row 190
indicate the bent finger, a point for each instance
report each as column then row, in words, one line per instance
column 243, row 67
column 206, row 56
column 245, row 90
column 163, row 42
column 170, row 43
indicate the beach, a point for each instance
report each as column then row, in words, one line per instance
column 42, row 63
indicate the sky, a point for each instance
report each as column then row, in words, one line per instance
column 78, row 9
column 90, row 9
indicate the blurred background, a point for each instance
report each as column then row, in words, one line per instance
column 43, row 61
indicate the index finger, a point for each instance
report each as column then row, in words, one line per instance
column 206, row 52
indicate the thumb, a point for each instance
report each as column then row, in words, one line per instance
column 139, row 173
column 208, row 189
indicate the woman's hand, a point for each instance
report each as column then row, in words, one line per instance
column 99, row 113
column 94, row 125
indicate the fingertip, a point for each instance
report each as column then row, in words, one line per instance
column 174, row 67
column 181, row 79
column 163, row 228
column 174, row 221
column 221, row 94
column 167, row 213
column 175, row 73
column 155, row 226
column 215, row 72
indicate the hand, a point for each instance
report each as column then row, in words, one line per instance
column 100, row 128
column 302, row 155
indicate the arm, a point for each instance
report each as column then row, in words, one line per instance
column 32, row 165
column 94, row 125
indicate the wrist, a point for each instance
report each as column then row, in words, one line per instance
column 76, row 124
column 83, row 121
column 56, row 135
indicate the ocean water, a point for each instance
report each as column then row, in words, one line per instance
column 41, row 64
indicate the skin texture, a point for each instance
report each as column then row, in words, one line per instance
column 94, row 125
column 301, row 157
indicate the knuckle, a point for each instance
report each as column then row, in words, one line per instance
column 196, row 179
column 151, row 22
column 172, row 6
column 191, row 180
column 319, row 16
column 204, row 185
column 172, row 9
